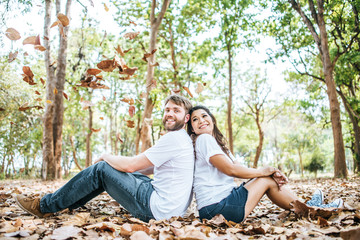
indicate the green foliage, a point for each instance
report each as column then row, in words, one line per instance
column 316, row 163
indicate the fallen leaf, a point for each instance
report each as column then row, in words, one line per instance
column 188, row 91
column 12, row 34
column 31, row 40
column 131, row 35
column 12, row 56
column 106, row 8
column 66, row 232
column 131, row 110
column 63, row 19
column 17, row 234
column 199, row 88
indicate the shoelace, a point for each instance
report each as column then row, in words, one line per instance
column 35, row 202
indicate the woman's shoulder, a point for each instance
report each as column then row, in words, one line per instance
column 204, row 138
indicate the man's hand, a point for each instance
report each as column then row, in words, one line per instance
column 103, row 157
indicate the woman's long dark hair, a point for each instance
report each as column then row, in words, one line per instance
column 219, row 137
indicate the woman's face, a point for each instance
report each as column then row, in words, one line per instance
column 201, row 122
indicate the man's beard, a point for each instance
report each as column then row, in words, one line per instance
column 179, row 124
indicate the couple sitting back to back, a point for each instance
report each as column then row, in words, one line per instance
column 169, row 193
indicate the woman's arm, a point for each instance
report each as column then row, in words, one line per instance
column 221, row 162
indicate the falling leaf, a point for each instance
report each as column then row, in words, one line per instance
column 176, row 90
column 38, row 99
column 154, row 64
column 61, row 30
column 101, row 118
column 86, row 104
column 106, row 65
column 52, row 64
column 31, row 40
column 119, row 51
column 127, row 50
column 42, row 81
column 131, row 35
column 188, row 91
column 130, row 101
column 118, row 137
column 130, row 71
column 55, row 91
column 199, row 88
column 63, row 19
column 40, row 48
column 130, row 123
column 12, row 56
column 132, row 22
column 48, row 101
column 26, row 54
column 106, row 8
column 55, row 24
column 27, row 71
column 104, row 98
column 65, row 96
column 12, row 34
column 95, row 130
column 93, row 71
column 131, row 110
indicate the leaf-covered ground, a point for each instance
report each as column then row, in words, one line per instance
column 103, row 218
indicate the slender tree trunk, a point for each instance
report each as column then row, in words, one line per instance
column 340, row 169
column 229, row 103
column 88, row 160
column 59, row 100
column 261, row 139
column 356, row 129
column 74, row 153
column 149, row 105
column 48, row 139
column 138, row 133
column 301, row 163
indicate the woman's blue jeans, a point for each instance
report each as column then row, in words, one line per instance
column 131, row 190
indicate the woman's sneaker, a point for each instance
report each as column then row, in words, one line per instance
column 337, row 203
column 317, row 199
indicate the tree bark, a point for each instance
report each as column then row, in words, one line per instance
column 59, row 100
column 261, row 138
column 149, row 105
column 229, row 102
column 88, row 160
column 321, row 41
column 48, row 139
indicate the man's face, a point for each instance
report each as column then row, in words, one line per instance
column 174, row 117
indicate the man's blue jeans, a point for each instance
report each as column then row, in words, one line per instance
column 131, row 190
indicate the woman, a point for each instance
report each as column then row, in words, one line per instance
column 215, row 169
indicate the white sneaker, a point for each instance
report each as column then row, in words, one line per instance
column 337, row 203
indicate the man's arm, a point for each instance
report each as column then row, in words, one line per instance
column 126, row 164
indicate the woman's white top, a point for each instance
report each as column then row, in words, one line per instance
column 210, row 184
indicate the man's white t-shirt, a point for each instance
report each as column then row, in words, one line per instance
column 210, row 184
column 173, row 158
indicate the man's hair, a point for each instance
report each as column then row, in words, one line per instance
column 179, row 100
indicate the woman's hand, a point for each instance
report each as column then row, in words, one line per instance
column 103, row 157
column 280, row 178
column 268, row 171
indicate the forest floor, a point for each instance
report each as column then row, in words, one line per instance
column 103, row 218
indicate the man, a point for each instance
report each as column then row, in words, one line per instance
column 167, row 195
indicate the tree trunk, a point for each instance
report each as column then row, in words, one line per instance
column 137, row 139
column 261, row 139
column 59, row 100
column 340, row 169
column 301, row 163
column 149, row 105
column 48, row 139
column 74, row 153
column 229, row 103
column 88, row 160
column 356, row 129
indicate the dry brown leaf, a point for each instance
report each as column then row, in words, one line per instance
column 176, row 90
column 127, row 50
column 12, row 34
column 27, row 71
column 106, row 8
column 118, row 137
column 63, row 19
column 188, row 91
column 95, row 130
column 106, row 65
column 65, row 96
column 40, row 48
column 131, row 35
column 119, row 51
column 55, row 24
column 130, row 71
column 353, row 234
column 66, row 232
column 131, row 110
column 93, row 71
column 61, row 30
column 154, row 64
column 42, row 81
column 130, row 124
column 38, row 99
column 140, row 235
column 31, row 40
column 12, row 56
column 132, row 22
column 199, row 88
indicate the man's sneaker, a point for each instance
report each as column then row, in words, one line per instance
column 29, row 204
column 317, row 199
column 337, row 203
